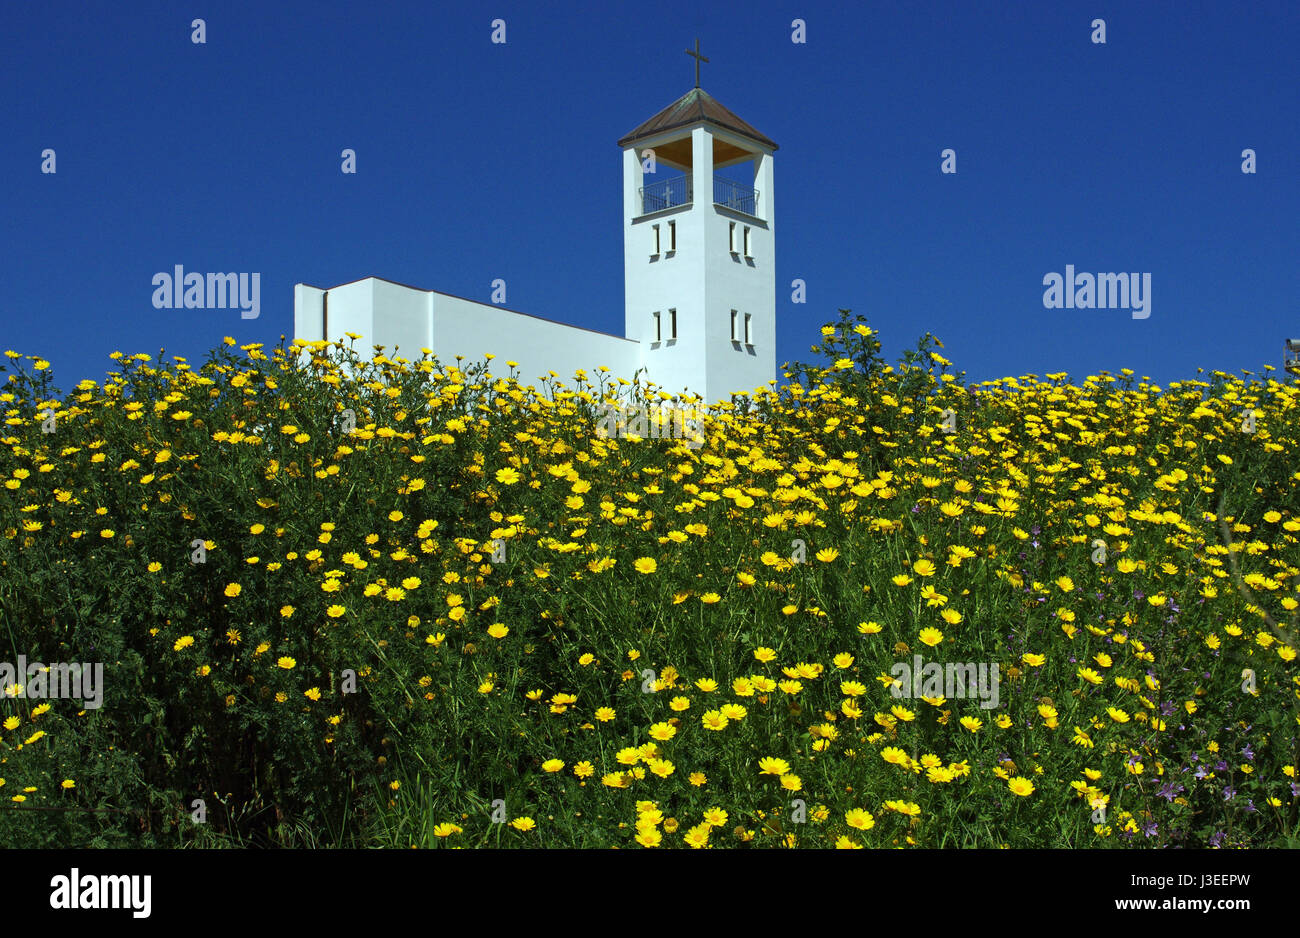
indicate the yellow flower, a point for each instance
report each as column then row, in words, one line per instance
column 233, row 589
column 931, row 636
column 714, row 720
column 909, row 808
column 497, row 630
column 733, row 711
column 859, row 819
column 185, row 641
column 552, row 765
column 523, row 823
column 285, row 662
column 645, row 565
column 769, row 765
column 1021, row 786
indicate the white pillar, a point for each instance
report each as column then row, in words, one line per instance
column 631, row 185
column 702, row 166
column 763, row 183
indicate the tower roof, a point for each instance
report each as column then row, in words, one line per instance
column 691, row 108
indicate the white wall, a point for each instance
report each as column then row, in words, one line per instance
column 540, row 346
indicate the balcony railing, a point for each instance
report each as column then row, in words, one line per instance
column 667, row 193
column 1291, row 356
column 670, row 193
column 735, row 195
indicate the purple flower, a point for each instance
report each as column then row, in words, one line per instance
column 1229, row 793
column 1170, row 790
column 1248, row 753
column 1217, row 839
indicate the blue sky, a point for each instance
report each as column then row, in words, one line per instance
column 479, row 161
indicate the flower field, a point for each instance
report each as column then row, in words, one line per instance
column 345, row 602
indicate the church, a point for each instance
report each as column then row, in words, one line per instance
column 698, row 263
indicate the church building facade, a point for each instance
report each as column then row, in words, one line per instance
column 699, row 269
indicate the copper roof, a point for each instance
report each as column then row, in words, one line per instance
column 691, row 108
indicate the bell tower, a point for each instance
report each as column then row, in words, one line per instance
column 698, row 247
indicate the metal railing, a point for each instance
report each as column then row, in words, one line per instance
column 667, row 193
column 1291, row 356
column 670, row 193
column 735, row 195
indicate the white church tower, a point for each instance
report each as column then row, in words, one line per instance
column 700, row 287
column 698, row 247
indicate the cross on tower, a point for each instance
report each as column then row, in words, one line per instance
column 698, row 59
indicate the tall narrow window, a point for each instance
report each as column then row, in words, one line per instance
column 731, row 237
column 672, row 324
column 659, row 337
column 672, row 236
column 749, row 330
column 655, row 245
column 734, row 336
column 748, row 253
